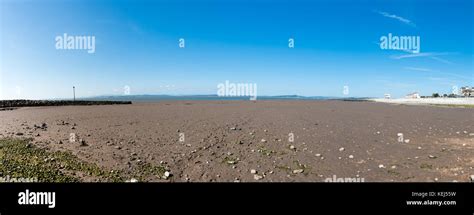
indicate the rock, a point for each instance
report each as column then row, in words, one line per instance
column 19, row 134
column 82, row 142
column 381, row 166
column 318, row 155
column 378, row 132
column 263, row 141
column 472, row 178
column 431, row 156
column 419, row 147
column 252, row 171
column 167, row 175
column 60, row 142
column 257, row 177
column 407, row 140
column 118, row 147
column 471, row 134
column 341, row 149
column 133, row 180
column 351, row 156
column 297, row 171
column 233, row 128
column 292, row 147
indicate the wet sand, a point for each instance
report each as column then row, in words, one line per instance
column 251, row 141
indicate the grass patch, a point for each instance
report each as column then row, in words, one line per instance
column 393, row 172
column 20, row 159
column 426, row 166
column 230, row 160
column 264, row 151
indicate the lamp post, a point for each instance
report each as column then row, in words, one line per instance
column 74, row 93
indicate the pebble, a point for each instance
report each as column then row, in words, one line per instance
column 257, row 177
column 407, row 140
column 19, row 134
column 133, row 180
column 351, row 156
column 263, row 141
column 167, row 174
column 431, row 156
column 472, row 178
column 292, row 147
column 253, row 171
column 297, row 171
column 381, row 166
column 419, row 147
column 341, row 149
column 318, row 155
column 82, row 142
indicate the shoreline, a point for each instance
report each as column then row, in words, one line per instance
column 461, row 102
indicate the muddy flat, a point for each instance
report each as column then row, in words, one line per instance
column 265, row 141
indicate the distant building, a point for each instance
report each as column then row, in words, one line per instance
column 387, row 96
column 468, row 92
column 414, row 95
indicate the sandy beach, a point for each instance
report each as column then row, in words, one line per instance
column 268, row 141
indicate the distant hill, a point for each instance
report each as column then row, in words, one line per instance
column 205, row 97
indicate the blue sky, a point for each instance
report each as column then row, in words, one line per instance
column 336, row 45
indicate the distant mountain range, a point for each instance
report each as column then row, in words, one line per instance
column 211, row 97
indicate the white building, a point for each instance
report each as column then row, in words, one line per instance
column 466, row 91
column 414, row 95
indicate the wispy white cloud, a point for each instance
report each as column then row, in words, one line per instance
column 424, row 54
column 399, row 18
column 419, row 69
column 453, row 77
